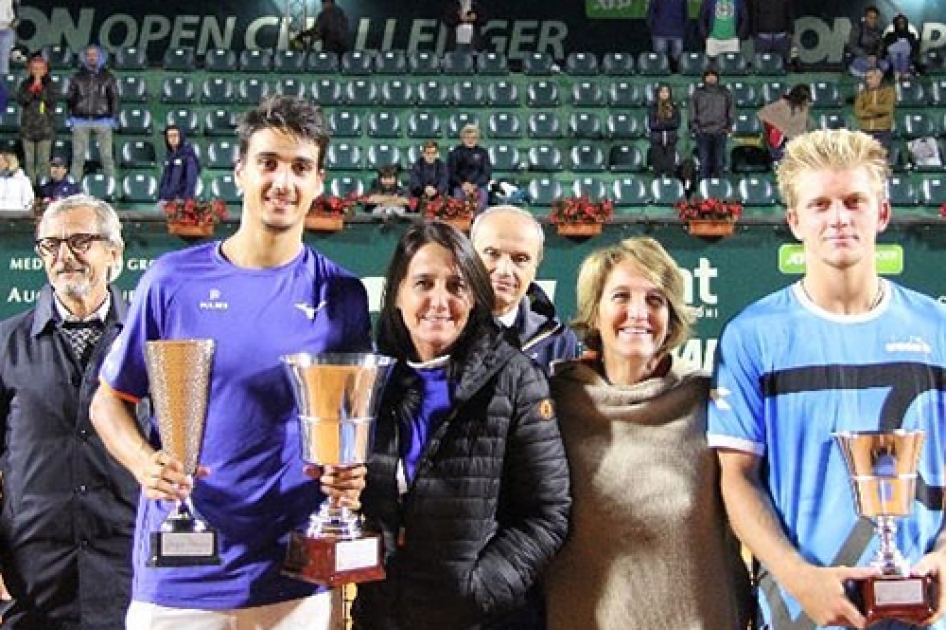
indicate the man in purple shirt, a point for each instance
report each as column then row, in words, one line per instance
column 259, row 294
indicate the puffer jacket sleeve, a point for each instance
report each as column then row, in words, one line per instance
column 535, row 492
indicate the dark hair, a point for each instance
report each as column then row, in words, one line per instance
column 429, row 144
column 388, row 170
column 297, row 116
column 710, row 71
column 871, row 9
column 798, row 96
column 393, row 337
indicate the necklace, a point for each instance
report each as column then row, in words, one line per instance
column 878, row 297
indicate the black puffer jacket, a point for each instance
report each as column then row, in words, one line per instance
column 487, row 509
column 93, row 92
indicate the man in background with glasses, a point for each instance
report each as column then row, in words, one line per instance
column 68, row 508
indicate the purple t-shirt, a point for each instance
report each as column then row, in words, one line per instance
column 256, row 492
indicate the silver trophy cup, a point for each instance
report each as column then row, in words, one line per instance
column 179, row 376
column 882, row 468
column 337, row 395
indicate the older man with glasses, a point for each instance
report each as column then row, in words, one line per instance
column 68, row 507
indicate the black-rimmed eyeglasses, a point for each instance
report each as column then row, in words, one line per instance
column 77, row 243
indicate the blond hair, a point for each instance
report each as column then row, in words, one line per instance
column 653, row 263
column 13, row 162
column 834, row 150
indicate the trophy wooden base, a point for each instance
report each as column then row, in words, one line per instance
column 184, row 549
column 333, row 561
column 908, row 599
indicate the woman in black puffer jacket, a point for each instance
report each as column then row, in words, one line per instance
column 468, row 481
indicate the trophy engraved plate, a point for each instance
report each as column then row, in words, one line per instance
column 179, row 375
column 337, row 395
column 882, row 467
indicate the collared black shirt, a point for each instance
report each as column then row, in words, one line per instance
column 68, row 507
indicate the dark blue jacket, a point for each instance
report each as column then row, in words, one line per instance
column 65, row 187
column 667, row 18
column 469, row 164
column 540, row 334
column 424, row 174
column 181, row 170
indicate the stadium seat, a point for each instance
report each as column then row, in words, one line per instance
column 937, row 93
column 457, row 63
column 100, row 186
column 222, row 154
column 933, row 61
column 768, row 64
column 361, row 93
column 344, row 124
column 60, row 118
column 220, row 60
column 391, row 62
column 545, row 159
column 666, row 191
column 773, row 90
column 933, row 191
column 744, row 94
column 433, row 93
column 224, row 187
column 178, row 91
column 544, row 191
column 252, row 91
column 291, row 86
column 289, row 61
column 731, row 64
column 617, row 64
column 630, row 191
column 626, row 158
column 586, row 158
column 140, row 188
column 343, row 156
column 384, row 124
column 397, row 93
column 491, row 63
column 588, row 94
column 131, row 120
column 825, row 94
column 383, row 155
column 715, row 188
column 126, row 59
column 137, row 154
column 503, row 93
column 542, row 94
column 357, row 62
column 424, row 125
column 423, row 62
column 504, row 125
column 321, row 62
column 581, row 64
column 757, row 191
column 537, row 64
column 910, row 93
column 912, row 125
column 179, row 60
column 653, row 64
column 544, row 126
column 901, row 192
column 624, row 94
column 468, row 94
column 624, row 126
column 833, row 120
column 10, row 120
column 590, row 187
column 458, row 120
column 185, row 119
column 344, row 186
column 584, row 125
column 747, row 125
column 327, row 92
column 692, row 64
column 504, row 158
column 132, row 89
column 217, row 91
column 220, row 122
column 897, row 156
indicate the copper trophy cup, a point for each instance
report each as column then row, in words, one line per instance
column 179, row 374
column 882, row 466
column 337, row 395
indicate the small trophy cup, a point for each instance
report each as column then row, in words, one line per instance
column 337, row 396
column 883, row 478
column 179, row 373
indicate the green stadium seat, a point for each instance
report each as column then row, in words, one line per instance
column 590, row 187
column 252, row 91
column 361, row 93
column 774, row 90
column 502, row 93
column 619, row 64
column 178, row 90
column 137, row 154
column 222, row 154
column 544, row 159
column 185, row 119
column 457, row 63
column 289, row 61
column 768, row 64
column 504, row 125
column 397, row 93
column 826, row 94
column 542, row 94
column 692, row 64
column 504, row 158
column 625, row 94
column 910, row 93
column 126, row 59
column 391, row 62
column 220, row 122
column 224, row 187
column 384, row 124
column 715, row 188
column 179, row 60
column 321, row 62
column 343, row 186
column 292, row 86
column 912, row 125
column 357, row 62
column 544, row 191
column 383, row 155
column 217, row 91
column 132, row 120
column 343, row 156
column 626, row 158
column 537, row 64
column 901, row 192
column 544, row 126
column 581, row 64
column 490, row 63
column 630, row 191
column 132, row 89
column 344, row 124
column 586, row 158
column 423, row 62
column 732, row 64
column 588, row 94
column 424, row 125
column 933, row 191
column 666, row 191
column 99, row 185
column 468, row 94
column 624, row 126
column 585, row 125
column 458, row 120
column 220, row 60
column 140, row 188
column 747, row 125
column 653, row 64
column 756, row 191
column 327, row 92
column 433, row 93
column 744, row 94
column 833, row 120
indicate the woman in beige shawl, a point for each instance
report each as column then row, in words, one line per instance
column 786, row 118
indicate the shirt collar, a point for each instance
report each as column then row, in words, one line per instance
column 98, row 315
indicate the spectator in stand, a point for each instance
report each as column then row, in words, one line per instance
column 773, row 23
column 469, row 166
column 59, row 184
column 331, row 26
column 464, row 19
column 16, row 191
column 874, row 106
column 712, row 112
column 181, row 167
column 901, row 48
column 93, row 107
column 663, row 120
column 722, row 25
column 429, row 175
column 8, row 22
column 786, row 118
column 864, row 44
column 667, row 21
column 386, row 196
column 36, row 96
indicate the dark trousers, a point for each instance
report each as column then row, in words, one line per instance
column 663, row 159
column 711, row 148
